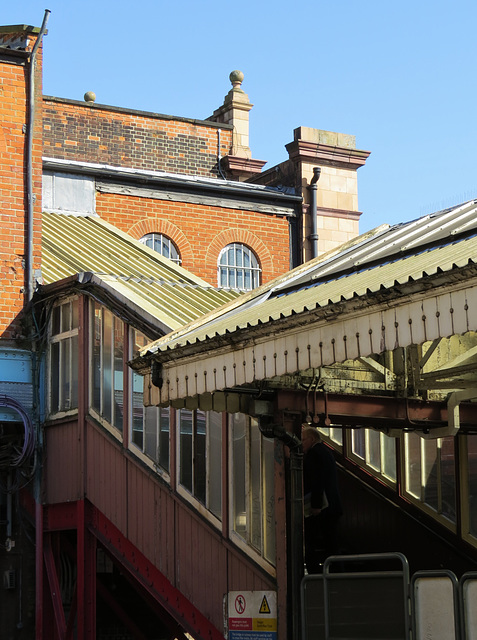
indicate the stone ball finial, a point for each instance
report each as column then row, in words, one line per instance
column 236, row 78
column 89, row 96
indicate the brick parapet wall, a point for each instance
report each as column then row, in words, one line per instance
column 13, row 199
column 135, row 139
column 200, row 232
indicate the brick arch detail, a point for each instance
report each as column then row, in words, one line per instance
column 243, row 236
column 159, row 225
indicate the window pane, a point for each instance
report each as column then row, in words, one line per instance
column 430, row 473
column 74, row 372
column 448, row 488
column 65, row 351
column 164, row 430
column 185, row 445
column 472, row 483
column 388, row 453
column 163, row 245
column 256, row 487
column 413, row 464
column 55, row 377
column 150, row 432
column 374, row 449
column 97, row 333
column 118, row 372
column 215, row 463
column 239, row 484
column 268, row 465
column 107, row 371
column 358, row 443
column 238, row 267
column 199, row 459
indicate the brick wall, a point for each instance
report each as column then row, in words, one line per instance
column 13, row 202
column 121, row 137
column 200, row 232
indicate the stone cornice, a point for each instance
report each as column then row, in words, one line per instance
column 236, row 165
column 313, row 152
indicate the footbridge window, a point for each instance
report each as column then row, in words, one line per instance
column 252, row 486
column 63, row 357
column 430, row 473
column 150, row 425
column 107, row 366
column 200, row 458
column 377, row 451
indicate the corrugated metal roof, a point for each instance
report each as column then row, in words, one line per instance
column 377, row 261
column 73, row 245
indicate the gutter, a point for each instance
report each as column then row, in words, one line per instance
column 224, row 187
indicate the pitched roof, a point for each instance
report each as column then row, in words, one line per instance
column 90, row 252
column 377, row 261
column 393, row 287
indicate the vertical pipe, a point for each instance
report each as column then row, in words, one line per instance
column 29, row 161
column 314, row 209
column 296, row 559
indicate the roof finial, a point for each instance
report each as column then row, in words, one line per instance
column 236, row 78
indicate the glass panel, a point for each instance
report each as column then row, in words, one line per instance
column 55, row 376
column 199, row 459
column 430, row 479
column 65, row 317
column 448, row 489
column 150, row 431
column 74, row 372
column 96, row 358
column 164, row 430
column 65, row 375
column 75, row 313
column 472, row 483
column 56, row 321
column 256, row 486
column 118, row 373
column 388, row 456
column 215, row 463
column 185, row 445
column 374, row 449
column 238, row 479
column 268, row 465
column 358, row 442
column 336, row 434
column 107, row 365
column 413, row 464
column 137, row 410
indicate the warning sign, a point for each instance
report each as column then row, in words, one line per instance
column 264, row 607
column 252, row 615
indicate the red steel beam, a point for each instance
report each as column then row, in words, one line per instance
column 132, row 561
column 55, row 592
column 378, row 411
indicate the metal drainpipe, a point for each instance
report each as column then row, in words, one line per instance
column 295, row 560
column 29, row 163
column 314, row 207
column 29, row 296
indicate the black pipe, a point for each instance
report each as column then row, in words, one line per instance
column 314, row 211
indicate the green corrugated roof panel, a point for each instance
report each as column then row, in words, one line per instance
column 400, row 269
column 76, row 244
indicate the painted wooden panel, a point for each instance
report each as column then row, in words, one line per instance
column 106, row 476
column 62, row 478
column 201, row 564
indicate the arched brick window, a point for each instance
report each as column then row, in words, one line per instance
column 238, row 268
column 163, row 245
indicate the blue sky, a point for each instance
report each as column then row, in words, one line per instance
column 399, row 76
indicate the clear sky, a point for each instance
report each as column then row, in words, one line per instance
column 400, row 76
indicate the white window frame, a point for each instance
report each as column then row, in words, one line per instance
column 229, row 273
column 150, row 240
column 244, row 541
column 366, row 462
column 62, row 338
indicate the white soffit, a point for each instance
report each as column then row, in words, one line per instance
column 353, row 333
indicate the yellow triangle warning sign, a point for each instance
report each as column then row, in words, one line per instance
column 264, row 607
